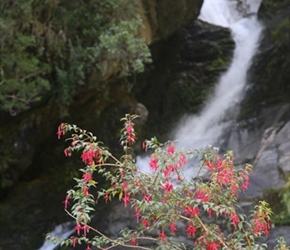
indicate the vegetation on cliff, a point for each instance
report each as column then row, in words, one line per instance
column 49, row 48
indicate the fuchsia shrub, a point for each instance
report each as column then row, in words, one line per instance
column 163, row 198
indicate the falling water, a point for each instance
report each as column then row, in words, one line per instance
column 199, row 131
column 205, row 128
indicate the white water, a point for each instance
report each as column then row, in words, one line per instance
column 205, row 129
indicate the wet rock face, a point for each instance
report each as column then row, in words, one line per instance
column 269, row 74
column 185, row 69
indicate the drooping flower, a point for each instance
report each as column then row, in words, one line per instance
column 145, row 223
column 137, row 214
column 190, row 230
column 162, row 235
column 173, row 227
column 87, row 177
column 86, row 229
column 167, row 187
column 245, row 183
column 153, row 164
column 133, row 241
column 60, row 130
column 234, row 219
column 147, row 198
column 191, row 211
column 86, row 191
column 126, row 199
column 213, row 246
column 201, row 195
column 171, row 149
column 182, row 159
column 78, row 228
column 66, row 201
column 88, row 156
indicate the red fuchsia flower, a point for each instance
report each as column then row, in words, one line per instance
column 67, row 152
column 147, row 198
column 234, row 219
column 78, row 228
column 130, row 132
column 88, row 156
column 191, row 211
column 171, row 149
column 214, row 166
column 60, row 130
column 74, row 241
column 169, row 169
column 145, row 146
column 213, row 246
column 261, row 226
column 167, row 187
column 137, row 214
column 153, row 164
column 190, row 230
column 182, row 159
column 245, row 183
column 86, row 191
column 106, row 198
column 162, row 236
column 173, row 227
column 88, row 248
column 126, row 199
column 234, row 187
column 125, row 185
column 87, row 177
column 86, row 229
column 133, row 241
column 66, row 201
column 210, row 211
column 225, row 176
column 201, row 195
column 145, row 223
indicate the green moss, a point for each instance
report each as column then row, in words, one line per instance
column 279, row 201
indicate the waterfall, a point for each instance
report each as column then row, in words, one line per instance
column 204, row 129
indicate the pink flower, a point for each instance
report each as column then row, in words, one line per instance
column 153, row 163
column 88, row 248
column 170, row 149
column 86, row 191
column 86, row 229
column 126, row 199
column 147, row 198
column 235, row 219
column 60, row 130
column 67, row 152
column 88, row 156
column 87, row 177
column 201, row 195
column 137, row 214
column 167, row 187
column 190, row 230
column 145, row 223
column 245, row 183
column 191, row 211
column 162, row 236
column 213, row 246
column 173, row 227
column 66, row 201
column 78, row 228
column 182, row 159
